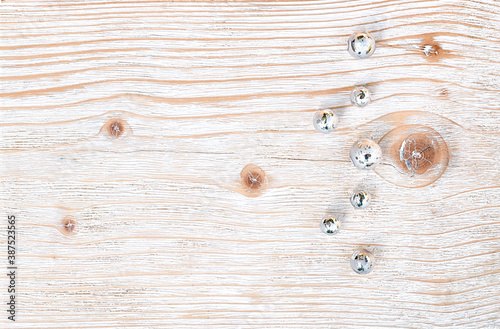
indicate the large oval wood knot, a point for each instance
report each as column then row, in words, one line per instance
column 414, row 156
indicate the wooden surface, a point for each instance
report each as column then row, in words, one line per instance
column 164, row 234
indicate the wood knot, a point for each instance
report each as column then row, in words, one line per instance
column 115, row 127
column 431, row 50
column 418, row 154
column 253, row 180
column 68, row 226
column 444, row 92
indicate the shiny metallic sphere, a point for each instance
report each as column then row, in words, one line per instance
column 361, row 45
column 360, row 96
column 365, row 154
column 360, row 199
column 330, row 225
column 362, row 262
column 325, row 121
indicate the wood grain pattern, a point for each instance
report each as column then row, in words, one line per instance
column 166, row 236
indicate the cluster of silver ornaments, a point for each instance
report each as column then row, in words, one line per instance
column 364, row 154
column 325, row 121
column 361, row 45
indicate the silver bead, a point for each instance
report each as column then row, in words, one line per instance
column 365, row 154
column 360, row 199
column 325, row 121
column 360, row 96
column 362, row 262
column 330, row 225
column 361, row 45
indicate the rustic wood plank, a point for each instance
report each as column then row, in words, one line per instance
column 166, row 236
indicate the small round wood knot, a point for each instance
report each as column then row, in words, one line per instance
column 253, row 179
column 68, row 226
column 431, row 50
column 115, row 128
column 416, row 156
column 444, row 92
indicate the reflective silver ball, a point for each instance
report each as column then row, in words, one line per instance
column 362, row 262
column 330, row 225
column 365, row 154
column 325, row 121
column 360, row 96
column 361, row 45
column 360, row 199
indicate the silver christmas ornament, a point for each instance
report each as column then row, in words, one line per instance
column 325, row 121
column 360, row 96
column 330, row 225
column 365, row 154
column 362, row 262
column 360, row 199
column 361, row 45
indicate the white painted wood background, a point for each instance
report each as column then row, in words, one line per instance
column 165, row 236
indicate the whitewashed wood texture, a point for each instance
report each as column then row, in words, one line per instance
column 166, row 236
